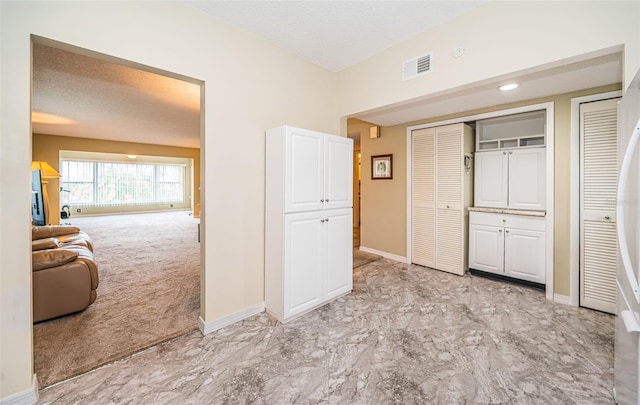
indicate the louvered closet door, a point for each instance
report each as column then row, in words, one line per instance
column 423, row 197
column 449, row 215
column 598, row 175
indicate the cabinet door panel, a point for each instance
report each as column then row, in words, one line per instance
column 423, row 188
column 339, row 166
column 449, row 246
column 527, row 180
column 339, row 234
column 486, row 248
column 491, row 173
column 304, row 170
column 449, row 164
column 304, row 262
column 525, row 254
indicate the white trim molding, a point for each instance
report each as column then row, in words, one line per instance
column 28, row 397
column 384, row 254
column 549, row 107
column 574, row 220
column 209, row 327
column 562, row 299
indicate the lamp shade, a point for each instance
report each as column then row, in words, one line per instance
column 45, row 168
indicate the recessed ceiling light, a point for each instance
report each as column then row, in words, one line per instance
column 132, row 156
column 509, row 86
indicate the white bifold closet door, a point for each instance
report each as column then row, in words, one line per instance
column 423, row 200
column 598, row 181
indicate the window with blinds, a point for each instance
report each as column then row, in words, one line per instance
column 104, row 184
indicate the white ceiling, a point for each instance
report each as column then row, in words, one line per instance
column 104, row 100
column 335, row 34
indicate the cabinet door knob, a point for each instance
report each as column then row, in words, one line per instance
column 511, row 153
column 447, row 206
column 607, row 217
column 506, row 231
column 322, row 220
column 322, row 200
column 504, row 153
column 327, row 200
column 500, row 230
column 327, row 220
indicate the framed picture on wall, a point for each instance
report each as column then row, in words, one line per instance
column 381, row 167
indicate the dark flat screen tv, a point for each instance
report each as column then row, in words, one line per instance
column 37, row 203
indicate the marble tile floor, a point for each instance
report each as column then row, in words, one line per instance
column 405, row 335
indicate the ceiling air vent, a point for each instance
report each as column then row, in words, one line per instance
column 417, row 66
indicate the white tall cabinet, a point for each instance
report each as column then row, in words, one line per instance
column 507, row 231
column 441, row 191
column 308, row 225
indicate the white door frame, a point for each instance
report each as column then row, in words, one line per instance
column 574, row 236
column 550, row 147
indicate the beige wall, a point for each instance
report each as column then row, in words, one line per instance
column 499, row 38
column 382, row 210
column 47, row 148
column 241, row 101
column 384, row 206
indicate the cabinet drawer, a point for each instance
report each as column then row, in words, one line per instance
column 507, row 221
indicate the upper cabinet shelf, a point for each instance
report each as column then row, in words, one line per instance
column 511, row 131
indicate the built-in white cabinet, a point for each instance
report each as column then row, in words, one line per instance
column 509, row 245
column 514, row 179
column 308, row 224
column 441, row 192
column 317, row 250
column 315, row 168
column 521, row 130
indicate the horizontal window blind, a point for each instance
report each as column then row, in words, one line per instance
column 103, row 184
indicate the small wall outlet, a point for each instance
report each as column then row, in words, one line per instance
column 78, row 210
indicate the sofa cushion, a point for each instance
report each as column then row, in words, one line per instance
column 44, row 259
column 42, row 244
column 52, row 231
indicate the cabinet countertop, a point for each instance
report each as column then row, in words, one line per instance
column 508, row 211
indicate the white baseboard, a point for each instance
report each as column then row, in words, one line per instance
column 208, row 327
column 386, row 255
column 562, row 299
column 28, row 397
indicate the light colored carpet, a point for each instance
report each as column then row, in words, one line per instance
column 149, row 292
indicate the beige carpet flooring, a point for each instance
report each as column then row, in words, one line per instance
column 149, row 267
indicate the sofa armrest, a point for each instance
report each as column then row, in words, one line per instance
column 44, row 259
column 42, row 244
column 52, row 231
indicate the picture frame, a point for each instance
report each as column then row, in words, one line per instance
column 382, row 167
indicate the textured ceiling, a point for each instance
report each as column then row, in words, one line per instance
column 334, row 34
column 81, row 96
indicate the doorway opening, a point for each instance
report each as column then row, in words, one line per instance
column 137, row 113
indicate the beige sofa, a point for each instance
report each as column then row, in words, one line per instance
column 65, row 274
